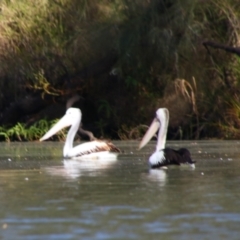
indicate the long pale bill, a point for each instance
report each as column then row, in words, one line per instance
column 150, row 132
column 62, row 123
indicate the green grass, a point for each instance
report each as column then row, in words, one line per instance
column 44, row 46
column 20, row 132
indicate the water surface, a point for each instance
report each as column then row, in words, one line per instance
column 44, row 197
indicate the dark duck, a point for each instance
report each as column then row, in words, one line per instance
column 163, row 157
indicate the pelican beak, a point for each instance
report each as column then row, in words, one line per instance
column 150, row 132
column 62, row 123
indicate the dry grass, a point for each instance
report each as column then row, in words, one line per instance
column 179, row 98
column 44, row 45
column 136, row 133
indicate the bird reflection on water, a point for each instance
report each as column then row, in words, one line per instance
column 73, row 169
column 157, row 175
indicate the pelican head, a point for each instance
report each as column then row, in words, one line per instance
column 72, row 117
column 160, row 121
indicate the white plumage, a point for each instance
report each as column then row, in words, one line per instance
column 94, row 149
column 157, row 158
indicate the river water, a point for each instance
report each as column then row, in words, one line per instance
column 44, row 197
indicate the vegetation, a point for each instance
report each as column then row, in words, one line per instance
column 21, row 132
column 125, row 59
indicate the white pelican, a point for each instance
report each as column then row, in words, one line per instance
column 164, row 156
column 94, row 149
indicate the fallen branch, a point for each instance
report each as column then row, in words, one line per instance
column 235, row 50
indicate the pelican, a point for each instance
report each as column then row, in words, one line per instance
column 95, row 149
column 164, row 156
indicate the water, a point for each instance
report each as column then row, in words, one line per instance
column 43, row 197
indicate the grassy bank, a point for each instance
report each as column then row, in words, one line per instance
column 126, row 59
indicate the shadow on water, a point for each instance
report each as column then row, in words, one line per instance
column 45, row 197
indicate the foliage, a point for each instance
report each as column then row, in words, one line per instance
column 56, row 47
column 21, row 132
column 48, row 36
